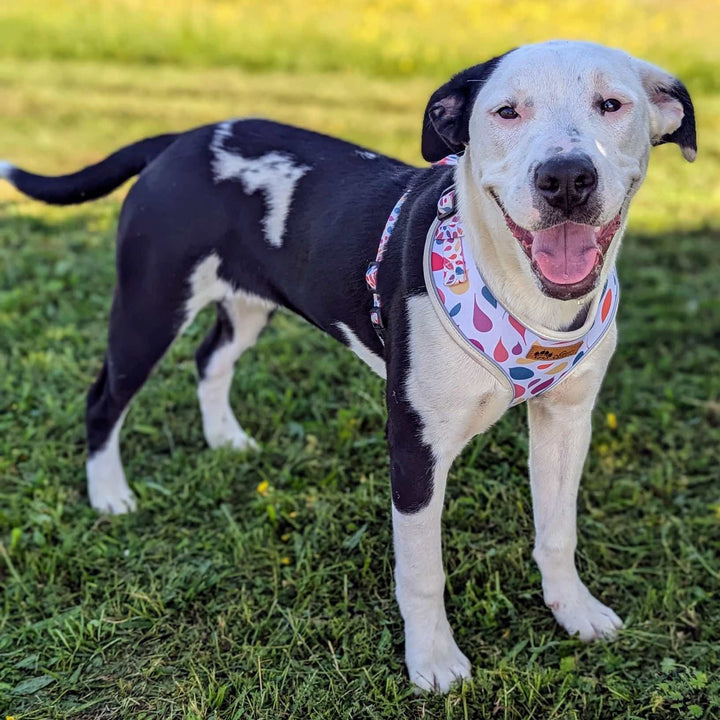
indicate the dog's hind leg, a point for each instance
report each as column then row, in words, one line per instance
column 138, row 337
column 240, row 319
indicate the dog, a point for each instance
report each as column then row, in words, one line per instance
column 517, row 232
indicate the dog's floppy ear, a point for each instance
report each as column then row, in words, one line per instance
column 672, row 116
column 447, row 115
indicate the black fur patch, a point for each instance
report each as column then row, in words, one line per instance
column 447, row 115
column 686, row 135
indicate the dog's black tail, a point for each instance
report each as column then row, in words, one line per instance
column 92, row 182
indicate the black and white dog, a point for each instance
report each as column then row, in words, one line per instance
column 252, row 215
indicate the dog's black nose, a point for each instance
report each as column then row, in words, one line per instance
column 566, row 181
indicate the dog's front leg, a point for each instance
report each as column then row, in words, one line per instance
column 559, row 439
column 418, row 478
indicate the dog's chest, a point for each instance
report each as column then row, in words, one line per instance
column 455, row 396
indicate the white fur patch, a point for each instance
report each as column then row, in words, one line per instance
column 248, row 314
column 275, row 174
column 106, row 484
column 366, row 154
column 560, row 432
column 6, row 169
column 433, row 659
column 205, row 287
column 221, row 428
column 373, row 361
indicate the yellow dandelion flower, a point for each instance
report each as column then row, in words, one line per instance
column 263, row 488
column 285, row 561
column 612, row 421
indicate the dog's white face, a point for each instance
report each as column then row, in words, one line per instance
column 559, row 136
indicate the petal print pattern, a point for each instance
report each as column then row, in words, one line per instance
column 436, row 262
column 500, row 353
column 607, row 304
column 521, row 373
column 480, row 320
column 557, row 369
column 517, row 325
column 542, row 386
column 489, row 296
column 517, row 349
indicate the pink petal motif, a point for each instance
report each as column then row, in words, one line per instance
column 519, row 390
column 517, row 325
column 539, row 388
column 442, row 297
column 500, row 353
column 480, row 320
column 437, row 262
column 477, row 345
column 517, row 349
column 544, row 366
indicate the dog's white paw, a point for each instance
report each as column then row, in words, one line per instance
column 112, row 496
column 107, row 487
column 433, row 659
column 225, row 431
column 582, row 615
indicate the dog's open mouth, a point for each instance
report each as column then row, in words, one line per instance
column 566, row 258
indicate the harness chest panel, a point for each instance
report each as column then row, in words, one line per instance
column 529, row 362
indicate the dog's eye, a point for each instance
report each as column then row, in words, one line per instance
column 507, row 113
column 610, row 105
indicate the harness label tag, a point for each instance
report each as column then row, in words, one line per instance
column 542, row 352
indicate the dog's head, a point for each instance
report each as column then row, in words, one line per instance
column 559, row 136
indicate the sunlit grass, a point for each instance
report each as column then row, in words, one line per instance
column 388, row 37
column 59, row 115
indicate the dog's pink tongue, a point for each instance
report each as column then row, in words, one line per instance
column 565, row 253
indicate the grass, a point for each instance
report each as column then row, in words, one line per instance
column 261, row 586
column 382, row 37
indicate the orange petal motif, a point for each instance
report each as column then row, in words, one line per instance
column 607, row 304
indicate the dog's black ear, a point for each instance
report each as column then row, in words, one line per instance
column 447, row 115
column 672, row 116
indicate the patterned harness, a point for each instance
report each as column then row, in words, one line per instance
column 527, row 361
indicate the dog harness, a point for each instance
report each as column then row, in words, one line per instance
column 527, row 361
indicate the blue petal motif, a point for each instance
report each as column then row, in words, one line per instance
column 455, row 310
column 489, row 296
column 521, row 373
column 577, row 357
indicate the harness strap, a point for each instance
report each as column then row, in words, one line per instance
column 371, row 272
column 445, row 207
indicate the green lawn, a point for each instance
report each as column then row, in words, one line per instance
column 227, row 598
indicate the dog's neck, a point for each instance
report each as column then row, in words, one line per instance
column 505, row 270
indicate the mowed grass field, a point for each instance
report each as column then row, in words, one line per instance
column 260, row 586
